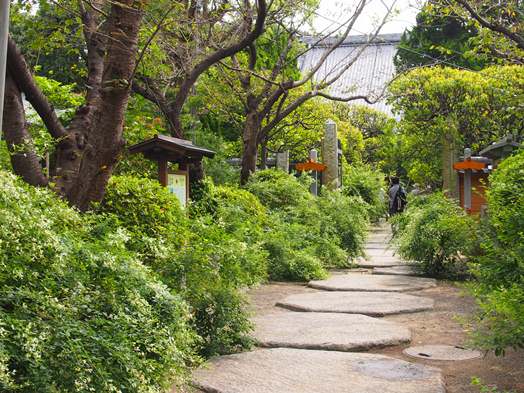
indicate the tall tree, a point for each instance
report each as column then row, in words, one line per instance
column 270, row 93
column 88, row 147
column 200, row 34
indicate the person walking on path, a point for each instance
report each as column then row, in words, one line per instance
column 397, row 197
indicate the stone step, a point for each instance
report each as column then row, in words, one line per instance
column 327, row 331
column 285, row 370
column 375, row 304
column 373, row 283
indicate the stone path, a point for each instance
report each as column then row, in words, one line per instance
column 313, row 342
column 373, row 283
column 327, row 331
column 375, row 304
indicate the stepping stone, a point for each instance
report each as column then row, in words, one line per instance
column 404, row 270
column 378, row 261
column 327, row 331
column 373, row 283
column 379, row 237
column 380, row 252
column 442, row 352
column 375, row 304
column 285, row 370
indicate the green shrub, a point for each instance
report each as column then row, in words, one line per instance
column 207, row 259
column 364, row 182
column 291, row 256
column 346, row 218
column 279, row 191
column 435, row 232
column 298, row 250
column 79, row 313
column 499, row 288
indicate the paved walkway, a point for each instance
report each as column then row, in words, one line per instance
column 311, row 348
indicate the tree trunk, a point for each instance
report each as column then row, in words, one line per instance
column 24, row 160
column 85, row 160
column 263, row 155
column 250, row 143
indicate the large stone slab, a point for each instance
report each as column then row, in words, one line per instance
column 380, row 252
column 373, row 283
column 380, row 261
column 405, row 270
column 327, row 331
column 375, row 304
column 379, row 237
column 284, row 370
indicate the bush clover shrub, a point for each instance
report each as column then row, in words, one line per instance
column 206, row 259
column 368, row 184
column 499, row 270
column 79, row 312
column 435, row 232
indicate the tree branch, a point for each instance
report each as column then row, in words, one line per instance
column 513, row 36
column 26, row 83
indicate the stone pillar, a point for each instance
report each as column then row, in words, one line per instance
column 283, row 161
column 450, row 182
column 313, row 157
column 330, row 156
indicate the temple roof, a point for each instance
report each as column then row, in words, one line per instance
column 370, row 73
column 172, row 149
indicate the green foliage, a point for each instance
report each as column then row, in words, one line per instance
column 468, row 109
column 322, row 232
column 500, row 270
column 204, row 260
column 368, row 184
column 475, row 381
column 440, row 35
column 51, row 38
column 435, row 232
column 79, row 312
column 345, row 219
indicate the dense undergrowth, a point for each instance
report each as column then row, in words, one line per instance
column 437, row 234
column 129, row 296
column 488, row 251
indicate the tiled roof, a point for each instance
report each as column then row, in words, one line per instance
column 370, row 73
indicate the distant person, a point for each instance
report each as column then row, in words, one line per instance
column 397, row 197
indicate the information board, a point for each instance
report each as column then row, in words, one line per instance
column 177, row 184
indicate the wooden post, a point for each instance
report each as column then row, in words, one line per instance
column 467, row 182
column 162, row 171
column 313, row 156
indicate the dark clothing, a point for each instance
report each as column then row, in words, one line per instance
column 397, row 199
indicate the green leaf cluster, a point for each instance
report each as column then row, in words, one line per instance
column 79, row 312
column 437, row 234
column 500, row 269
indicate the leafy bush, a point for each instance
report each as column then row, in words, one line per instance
column 364, row 182
column 204, row 259
column 346, row 218
column 79, row 313
column 319, row 231
column 500, row 269
column 435, row 232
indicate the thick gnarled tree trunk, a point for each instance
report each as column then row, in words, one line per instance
column 90, row 146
